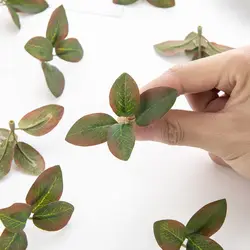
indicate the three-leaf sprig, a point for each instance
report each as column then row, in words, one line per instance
column 131, row 108
column 24, row 6
column 156, row 3
column 43, row 207
column 171, row 234
column 194, row 43
column 69, row 50
column 36, row 123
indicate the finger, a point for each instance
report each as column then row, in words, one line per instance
column 218, row 160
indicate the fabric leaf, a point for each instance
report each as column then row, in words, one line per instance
column 14, row 16
column 162, row 3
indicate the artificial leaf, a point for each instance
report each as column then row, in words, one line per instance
column 58, row 26
column 162, row 3
column 169, row 234
column 7, row 144
column 14, row 16
column 54, row 78
column 15, row 217
column 28, row 6
column 201, row 242
column 28, row 159
column 47, row 188
column 13, row 241
column 69, row 50
column 121, row 140
column 124, row 2
column 54, row 216
column 124, row 96
column 40, row 48
column 42, row 120
column 90, row 130
column 154, row 104
column 209, row 219
column 196, row 55
column 214, row 48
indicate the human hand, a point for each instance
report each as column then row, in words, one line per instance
column 217, row 124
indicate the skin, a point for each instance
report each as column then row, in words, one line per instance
column 219, row 124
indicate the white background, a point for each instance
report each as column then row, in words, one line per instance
column 116, row 203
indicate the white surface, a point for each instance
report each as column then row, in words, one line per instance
column 117, row 202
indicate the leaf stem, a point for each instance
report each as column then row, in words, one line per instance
column 199, row 41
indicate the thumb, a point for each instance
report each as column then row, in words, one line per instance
column 185, row 128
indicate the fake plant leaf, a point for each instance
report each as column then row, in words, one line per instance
column 121, row 140
column 13, row 241
column 90, row 130
column 214, row 48
column 69, row 50
column 14, row 16
column 155, row 103
column 162, row 3
column 47, row 188
column 42, row 120
column 15, row 217
column 40, row 48
column 124, row 96
column 54, row 78
column 169, row 234
column 209, row 219
column 201, row 242
column 196, row 55
column 53, row 216
column 28, row 159
column 7, row 144
column 28, row 6
column 58, row 26
column 124, row 2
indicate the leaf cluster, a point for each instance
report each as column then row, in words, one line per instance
column 171, row 234
column 194, row 43
column 131, row 107
column 24, row 6
column 43, row 207
column 156, row 3
column 67, row 49
column 36, row 123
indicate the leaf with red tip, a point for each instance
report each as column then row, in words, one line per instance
column 42, row 120
column 90, row 130
column 13, row 241
column 124, row 2
column 162, row 3
column 47, row 188
column 28, row 159
column 58, row 26
column 54, row 78
column 69, row 50
column 121, row 140
column 14, row 16
column 15, row 217
column 40, row 48
column 54, row 216
column 214, row 48
column 169, row 234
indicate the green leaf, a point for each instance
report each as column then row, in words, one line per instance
column 196, row 54
column 54, row 216
column 58, row 27
column 124, row 96
column 47, row 188
column 14, row 16
column 124, row 2
column 155, row 103
column 40, row 48
column 209, row 219
column 214, row 48
column 28, row 159
column 90, row 130
column 200, row 242
column 162, row 3
column 54, row 78
column 42, row 120
column 13, row 241
column 15, row 217
column 7, row 144
column 28, row 6
column 121, row 140
column 169, row 234
column 69, row 50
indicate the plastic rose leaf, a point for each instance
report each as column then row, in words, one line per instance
column 14, row 16
column 214, row 48
column 162, row 3
column 124, row 2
